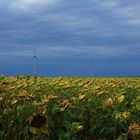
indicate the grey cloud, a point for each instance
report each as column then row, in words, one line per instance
column 71, row 29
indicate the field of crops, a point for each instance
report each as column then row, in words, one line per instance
column 69, row 108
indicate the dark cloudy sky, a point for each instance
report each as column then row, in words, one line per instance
column 71, row 37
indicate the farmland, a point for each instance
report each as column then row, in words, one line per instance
column 69, row 108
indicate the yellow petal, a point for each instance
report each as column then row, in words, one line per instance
column 33, row 130
column 81, row 97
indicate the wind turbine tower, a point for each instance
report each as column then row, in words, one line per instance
column 35, row 62
column 92, row 67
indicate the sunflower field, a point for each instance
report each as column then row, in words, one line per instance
column 69, row 108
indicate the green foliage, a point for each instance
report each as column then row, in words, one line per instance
column 69, row 108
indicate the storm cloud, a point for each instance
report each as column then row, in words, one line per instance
column 68, row 34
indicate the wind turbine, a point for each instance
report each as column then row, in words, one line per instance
column 35, row 62
column 92, row 66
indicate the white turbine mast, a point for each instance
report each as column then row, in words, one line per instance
column 35, row 63
column 92, row 66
